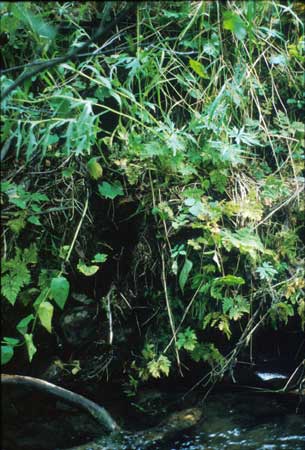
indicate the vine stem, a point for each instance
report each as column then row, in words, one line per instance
column 67, row 257
column 77, row 229
column 184, row 316
column 285, row 203
column 169, row 311
column 109, row 314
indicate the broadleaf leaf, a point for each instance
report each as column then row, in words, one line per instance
column 184, row 274
column 94, row 168
column 198, row 68
column 22, row 326
column 60, row 290
column 30, row 346
column 234, row 23
column 7, row 352
column 45, row 314
column 88, row 271
column 111, row 191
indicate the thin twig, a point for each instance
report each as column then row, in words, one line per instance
column 109, row 313
column 286, row 202
column 78, row 228
column 184, row 316
column 169, row 311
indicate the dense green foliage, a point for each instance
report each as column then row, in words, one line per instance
column 192, row 112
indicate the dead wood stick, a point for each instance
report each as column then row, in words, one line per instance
column 97, row 412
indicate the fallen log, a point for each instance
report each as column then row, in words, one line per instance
column 96, row 411
column 168, row 428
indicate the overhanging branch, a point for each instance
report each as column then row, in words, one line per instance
column 97, row 412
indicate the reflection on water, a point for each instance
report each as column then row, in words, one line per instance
column 240, row 421
column 235, row 421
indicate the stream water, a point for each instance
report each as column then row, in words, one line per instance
column 231, row 420
column 240, row 421
column 235, row 421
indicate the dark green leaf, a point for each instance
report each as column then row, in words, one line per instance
column 18, row 202
column 184, row 274
column 67, row 173
column 111, row 191
column 22, row 326
column 60, row 290
column 7, row 352
column 34, row 220
column 11, row 341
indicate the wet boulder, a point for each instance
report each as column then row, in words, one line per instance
column 79, row 325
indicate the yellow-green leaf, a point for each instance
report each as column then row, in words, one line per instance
column 234, row 23
column 94, row 168
column 100, row 258
column 230, row 280
column 30, row 346
column 164, row 364
column 198, row 68
column 88, row 271
column 45, row 314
